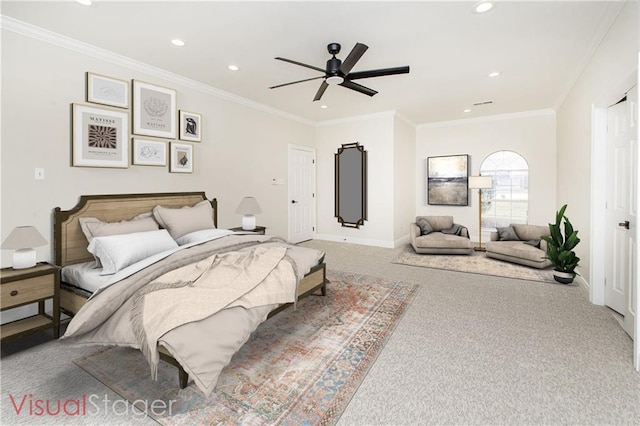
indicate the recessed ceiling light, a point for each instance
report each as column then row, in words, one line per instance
column 233, row 67
column 324, row 106
column 494, row 74
column 467, row 110
column 177, row 42
column 483, row 6
column 84, row 2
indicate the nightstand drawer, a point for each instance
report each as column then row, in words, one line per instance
column 27, row 290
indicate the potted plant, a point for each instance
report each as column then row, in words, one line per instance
column 560, row 247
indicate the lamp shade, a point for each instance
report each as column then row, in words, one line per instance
column 248, row 205
column 24, row 237
column 480, row 182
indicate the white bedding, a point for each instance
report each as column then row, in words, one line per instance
column 202, row 349
column 88, row 276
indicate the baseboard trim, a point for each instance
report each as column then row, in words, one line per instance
column 361, row 241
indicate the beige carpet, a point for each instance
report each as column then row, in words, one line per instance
column 476, row 263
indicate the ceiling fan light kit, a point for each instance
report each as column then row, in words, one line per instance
column 338, row 73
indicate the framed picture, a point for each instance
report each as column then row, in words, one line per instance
column 181, row 158
column 149, row 153
column 100, row 137
column 447, row 180
column 190, row 126
column 154, row 110
column 107, row 90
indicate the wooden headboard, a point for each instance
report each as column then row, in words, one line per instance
column 70, row 243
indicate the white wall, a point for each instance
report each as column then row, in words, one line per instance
column 530, row 134
column 375, row 132
column 242, row 149
column 615, row 60
column 404, row 179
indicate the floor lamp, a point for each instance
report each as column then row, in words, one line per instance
column 480, row 183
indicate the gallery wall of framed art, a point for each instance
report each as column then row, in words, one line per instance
column 133, row 123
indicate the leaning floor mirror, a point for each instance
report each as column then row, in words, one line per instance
column 351, row 185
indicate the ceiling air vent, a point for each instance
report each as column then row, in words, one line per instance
column 483, row 103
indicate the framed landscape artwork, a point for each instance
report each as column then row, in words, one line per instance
column 181, row 158
column 100, row 137
column 447, row 180
column 107, row 90
column 154, row 110
column 149, row 153
column 190, row 126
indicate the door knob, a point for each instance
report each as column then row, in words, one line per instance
column 624, row 224
column 293, row 201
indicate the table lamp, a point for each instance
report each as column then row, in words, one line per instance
column 23, row 239
column 248, row 208
column 480, row 183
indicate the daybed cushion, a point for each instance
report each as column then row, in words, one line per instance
column 521, row 252
column 182, row 221
column 438, row 240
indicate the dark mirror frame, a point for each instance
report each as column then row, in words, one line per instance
column 342, row 185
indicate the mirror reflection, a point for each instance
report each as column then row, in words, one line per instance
column 351, row 185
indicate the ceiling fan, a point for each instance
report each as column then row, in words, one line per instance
column 339, row 72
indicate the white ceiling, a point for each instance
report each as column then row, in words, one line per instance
column 539, row 47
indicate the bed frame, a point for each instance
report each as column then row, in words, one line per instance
column 70, row 244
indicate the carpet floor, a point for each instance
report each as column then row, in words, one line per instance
column 300, row 367
column 475, row 263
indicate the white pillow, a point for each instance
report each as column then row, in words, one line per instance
column 116, row 252
column 184, row 220
column 202, row 235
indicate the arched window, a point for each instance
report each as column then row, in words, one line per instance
column 508, row 201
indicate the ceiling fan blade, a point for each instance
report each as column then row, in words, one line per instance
column 295, row 82
column 353, row 57
column 358, row 87
column 378, row 73
column 301, row 64
column 320, row 91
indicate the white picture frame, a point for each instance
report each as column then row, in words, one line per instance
column 190, row 126
column 154, row 110
column 181, row 158
column 100, row 137
column 147, row 152
column 105, row 90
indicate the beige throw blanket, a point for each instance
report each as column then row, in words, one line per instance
column 252, row 278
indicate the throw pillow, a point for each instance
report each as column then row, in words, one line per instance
column 424, row 226
column 507, row 233
column 535, row 243
column 182, row 221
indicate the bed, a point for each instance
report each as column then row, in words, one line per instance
column 97, row 312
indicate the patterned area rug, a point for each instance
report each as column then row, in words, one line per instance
column 476, row 263
column 299, row 367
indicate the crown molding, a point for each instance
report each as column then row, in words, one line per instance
column 488, row 118
column 366, row 117
column 611, row 13
column 28, row 30
column 405, row 120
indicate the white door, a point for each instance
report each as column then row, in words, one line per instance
column 621, row 208
column 632, row 111
column 302, row 202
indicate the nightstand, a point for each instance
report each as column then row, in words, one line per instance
column 20, row 287
column 259, row 230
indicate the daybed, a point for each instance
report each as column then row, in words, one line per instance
column 519, row 244
column 439, row 235
column 176, row 305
